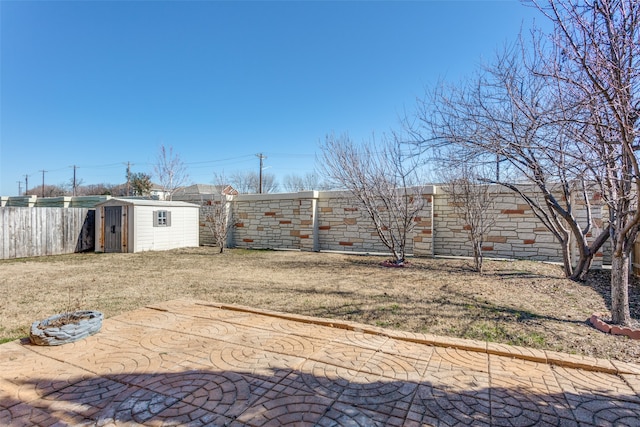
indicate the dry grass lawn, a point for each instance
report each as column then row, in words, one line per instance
column 516, row 302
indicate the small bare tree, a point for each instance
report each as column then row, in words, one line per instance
column 309, row 181
column 472, row 200
column 219, row 216
column 384, row 180
column 248, row 182
column 170, row 171
column 219, row 219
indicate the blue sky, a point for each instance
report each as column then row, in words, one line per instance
column 98, row 84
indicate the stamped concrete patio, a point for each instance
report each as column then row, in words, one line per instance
column 195, row 363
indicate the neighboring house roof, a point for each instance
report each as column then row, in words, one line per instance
column 156, row 187
column 146, row 202
column 198, row 189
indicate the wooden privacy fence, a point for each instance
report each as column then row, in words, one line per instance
column 28, row 232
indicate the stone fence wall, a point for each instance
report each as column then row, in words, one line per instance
column 516, row 232
column 334, row 221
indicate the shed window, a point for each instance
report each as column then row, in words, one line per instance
column 162, row 219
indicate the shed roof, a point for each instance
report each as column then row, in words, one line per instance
column 147, row 202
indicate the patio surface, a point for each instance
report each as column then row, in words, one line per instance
column 193, row 363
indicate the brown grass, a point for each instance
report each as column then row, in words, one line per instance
column 515, row 302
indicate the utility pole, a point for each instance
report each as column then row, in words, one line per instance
column 261, row 157
column 128, row 178
column 42, row 192
column 26, row 184
column 19, row 188
column 74, row 181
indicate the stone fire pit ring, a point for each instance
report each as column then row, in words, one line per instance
column 79, row 325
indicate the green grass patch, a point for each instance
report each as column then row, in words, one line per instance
column 487, row 332
column 9, row 339
column 530, row 339
column 495, row 332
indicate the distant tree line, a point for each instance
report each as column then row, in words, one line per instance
column 140, row 185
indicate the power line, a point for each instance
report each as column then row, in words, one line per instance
column 220, row 160
column 227, row 161
column 292, row 155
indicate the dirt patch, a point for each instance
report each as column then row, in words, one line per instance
column 515, row 302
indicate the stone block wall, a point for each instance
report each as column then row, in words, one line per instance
column 313, row 221
column 422, row 235
column 345, row 226
column 280, row 221
column 206, row 237
column 599, row 215
column 516, row 232
column 334, row 221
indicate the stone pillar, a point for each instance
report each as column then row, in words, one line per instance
column 309, row 221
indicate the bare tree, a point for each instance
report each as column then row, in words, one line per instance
column 249, row 182
column 568, row 123
column 119, row 189
column 472, row 200
column 47, row 191
column 597, row 62
column 170, row 171
column 218, row 213
column 94, row 189
column 512, row 118
column 384, row 180
column 293, row 183
column 242, row 182
column 308, row 181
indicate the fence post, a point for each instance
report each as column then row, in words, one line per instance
column 314, row 220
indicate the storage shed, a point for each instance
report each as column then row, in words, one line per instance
column 135, row 225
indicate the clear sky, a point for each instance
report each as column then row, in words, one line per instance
column 98, row 84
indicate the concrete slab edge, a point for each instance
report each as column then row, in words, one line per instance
column 496, row 349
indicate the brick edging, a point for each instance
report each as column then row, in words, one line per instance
column 601, row 325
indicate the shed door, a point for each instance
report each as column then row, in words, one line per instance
column 113, row 228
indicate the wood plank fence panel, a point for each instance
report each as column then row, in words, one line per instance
column 4, row 234
column 29, row 232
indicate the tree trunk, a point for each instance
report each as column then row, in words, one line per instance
column 584, row 264
column 587, row 252
column 620, row 313
column 566, row 258
column 477, row 255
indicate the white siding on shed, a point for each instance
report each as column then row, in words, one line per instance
column 183, row 231
column 143, row 234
